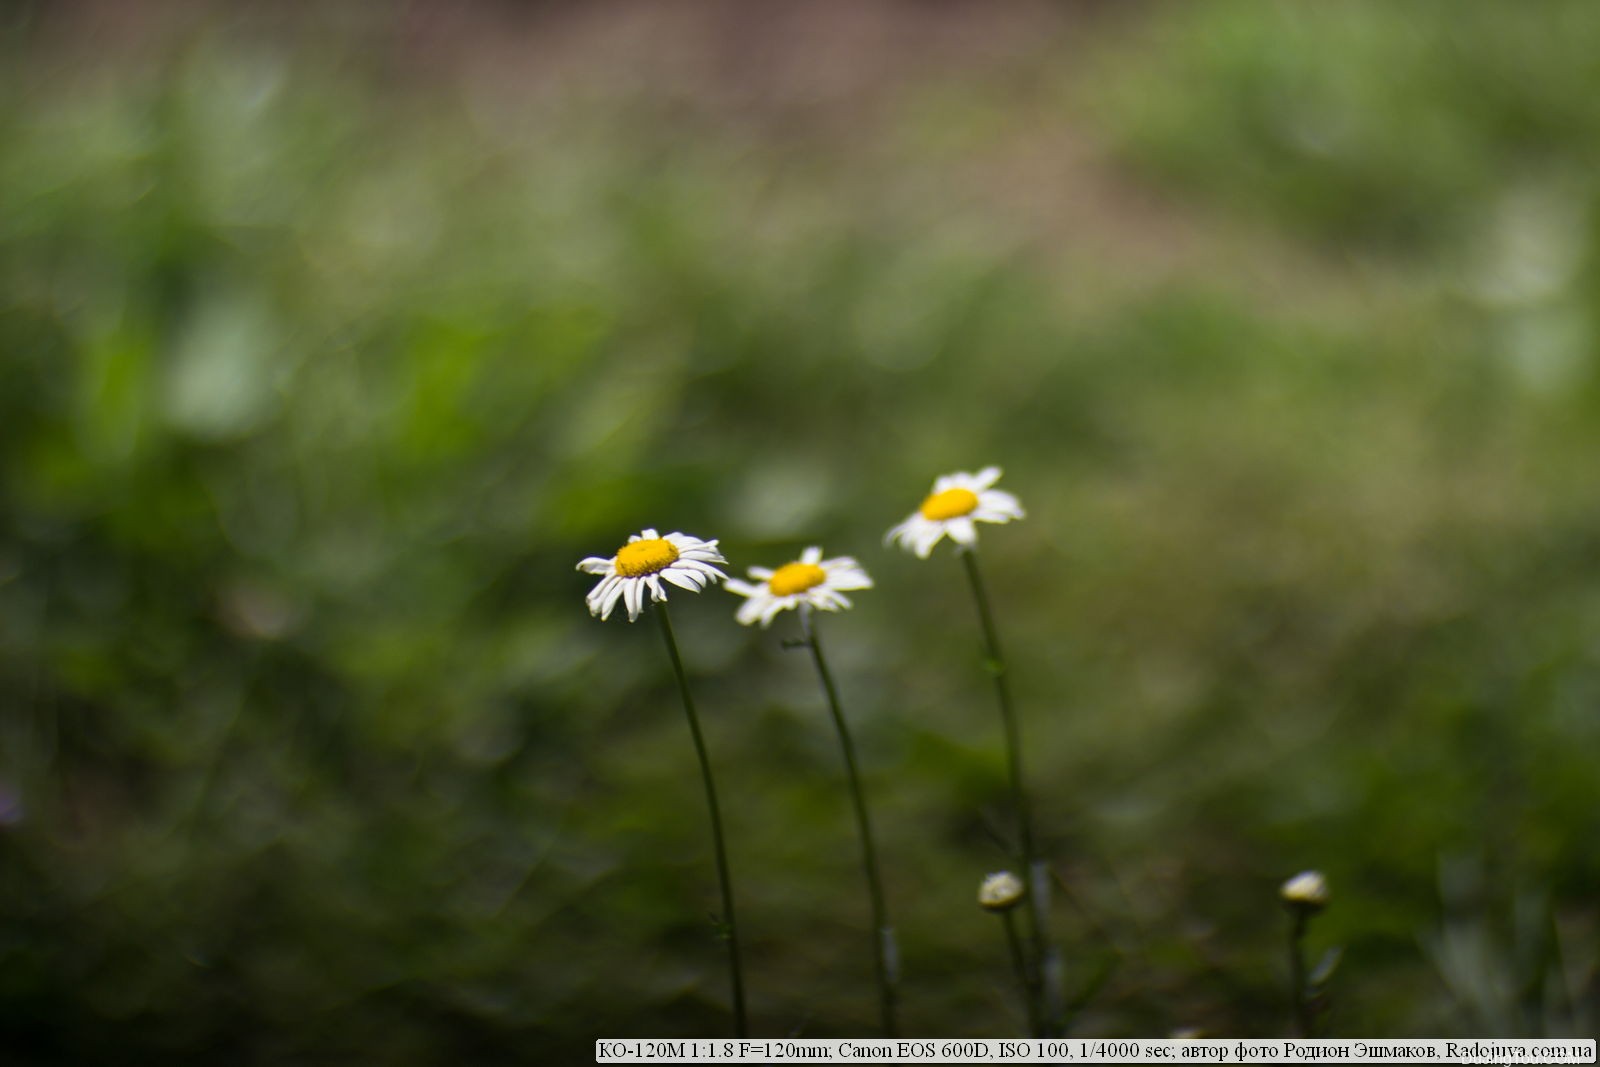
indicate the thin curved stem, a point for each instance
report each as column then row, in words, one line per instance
column 883, row 941
column 995, row 663
column 1303, row 1018
column 1024, row 976
column 730, row 931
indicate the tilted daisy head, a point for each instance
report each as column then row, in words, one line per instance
column 647, row 560
column 958, row 502
column 809, row 580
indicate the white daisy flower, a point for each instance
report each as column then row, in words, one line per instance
column 810, row 580
column 643, row 563
column 957, row 503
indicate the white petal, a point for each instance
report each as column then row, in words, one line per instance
column 962, row 531
column 919, row 534
column 963, row 480
column 596, row 565
column 926, row 538
column 694, row 548
column 699, row 567
column 829, row 600
column 812, row 556
column 633, row 596
column 683, row 570
column 656, row 592
column 750, row 611
column 985, row 478
column 849, row 578
column 684, row 579
column 901, row 533
column 946, row 481
column 609, row 601
column 734, row 585
column 598, row 594
column 760, row 574
column 998, row 502
column 773, row 607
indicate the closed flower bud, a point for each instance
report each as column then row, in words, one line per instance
column 1307, row 890
column 1000, row 892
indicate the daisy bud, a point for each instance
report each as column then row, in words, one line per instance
column 1307, row 890
column 1001, row 891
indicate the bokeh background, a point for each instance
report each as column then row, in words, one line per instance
column 332, row 336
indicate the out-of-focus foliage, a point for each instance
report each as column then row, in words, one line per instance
column 318, row 373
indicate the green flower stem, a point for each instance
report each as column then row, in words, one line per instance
column 1297, row 972
column 1024, row 974
column 884, row 940
column 730, row 926
column 1038, row 919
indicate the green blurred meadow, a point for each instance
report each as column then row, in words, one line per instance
column 331, row 339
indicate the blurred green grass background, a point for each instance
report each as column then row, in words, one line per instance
column 330, row 342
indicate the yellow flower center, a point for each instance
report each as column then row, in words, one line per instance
column 794, row 578
column 950, row 504
column 646, row 557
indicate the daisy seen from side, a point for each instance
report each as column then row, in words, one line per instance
column 953, row 509
column 810, row 581
column 646, row 562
